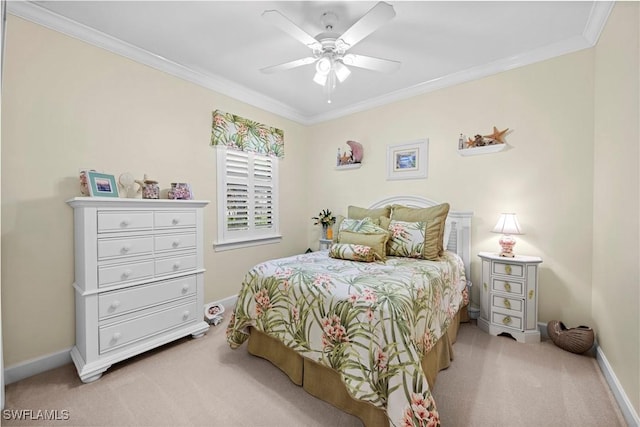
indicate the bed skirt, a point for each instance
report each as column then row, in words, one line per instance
column 325, row 383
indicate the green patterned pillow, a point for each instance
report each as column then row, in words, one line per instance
column 406, row 239
column 377, row 241
column 353, row 252
column 435, row 219
column 364, row 225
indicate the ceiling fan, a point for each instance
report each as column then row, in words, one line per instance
column 329, row 50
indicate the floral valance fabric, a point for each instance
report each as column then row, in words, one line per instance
column 246, row 135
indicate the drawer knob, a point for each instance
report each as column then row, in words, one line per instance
column 115, row 304
column 186, row 314
column 176, row 265
column 116, row 336
column 507, row 269
column 506, row 320
column 175, row 221
column 176, row 243
column 126, row 273
column 185, row 288
column 507, row 286
column 125, row 223
column 126, row 248
column 507, row 303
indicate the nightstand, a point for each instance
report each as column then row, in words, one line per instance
column 325, row 244
column 509, row 296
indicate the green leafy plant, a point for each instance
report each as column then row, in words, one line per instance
column 324, row 218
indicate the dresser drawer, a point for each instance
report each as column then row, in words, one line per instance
column 171, row 219
column 175, row 264
column 109, row 248
column 507, row 320
column 508, row 287
column 120, row 334
column 508, row 303
column 113, row 221
column 507, row 269
column 169, row 242
column 121, row 273
column 120, row 302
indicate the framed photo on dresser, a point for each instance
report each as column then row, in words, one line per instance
column 102, row 184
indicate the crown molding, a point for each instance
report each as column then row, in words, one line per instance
column 597, row 19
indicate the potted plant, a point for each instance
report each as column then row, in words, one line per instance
column 326, row 219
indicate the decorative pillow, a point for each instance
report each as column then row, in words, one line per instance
column 377, row 241
column 434, row 217
column 352, row 252
column 365, row 225
column 336, row 227
column 355, row 212
column 406, row 239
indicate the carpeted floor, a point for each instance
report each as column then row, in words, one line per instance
column 493, row 381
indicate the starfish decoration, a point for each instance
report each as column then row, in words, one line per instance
column 497, row 135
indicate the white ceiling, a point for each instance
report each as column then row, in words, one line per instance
column 223, row 44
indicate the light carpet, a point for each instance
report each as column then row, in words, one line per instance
column 493, row 381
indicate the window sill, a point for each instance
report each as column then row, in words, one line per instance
column 229, row 245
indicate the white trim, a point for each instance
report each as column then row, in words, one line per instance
column 229, row 302
column 36, row 366
column 230, row 245
column 627, row 409
column 35, row 13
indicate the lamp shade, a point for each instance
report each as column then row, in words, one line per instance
column 507, row 224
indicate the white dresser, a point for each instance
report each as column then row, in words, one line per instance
column 509, row 296
column 139, row 277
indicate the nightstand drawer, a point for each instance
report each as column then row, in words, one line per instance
column 175, row 264
column 508, row 287
column 508, row 320
column 123, row 273
column 508, row 303
column 124, row 221
column 138, row 297
column 165, row 219
column 507, row 269
column 109, row 248
column 120, row 334
column 168, row 242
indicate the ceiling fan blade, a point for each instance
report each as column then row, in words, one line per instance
column 289, row 65
column 371, row 63
column 285, row 24
column 371, row 21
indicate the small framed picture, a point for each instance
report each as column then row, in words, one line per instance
column 102, row 185
column 407, row 160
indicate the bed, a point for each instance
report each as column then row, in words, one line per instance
column 367, row 337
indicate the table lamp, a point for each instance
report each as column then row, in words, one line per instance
column 507, row 225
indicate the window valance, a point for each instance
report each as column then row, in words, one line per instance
column 246, row 135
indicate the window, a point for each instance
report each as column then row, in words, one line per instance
column 247, row 199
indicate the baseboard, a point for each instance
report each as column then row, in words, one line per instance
column 627, row 409
column 36, row 366
column 228, row 302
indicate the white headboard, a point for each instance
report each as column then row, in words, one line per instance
column 460, row 222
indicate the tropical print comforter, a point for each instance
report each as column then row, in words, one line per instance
column 371, row 322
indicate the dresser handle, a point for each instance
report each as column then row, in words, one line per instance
column 507, row 269
column 176, row 243
column 176, row 265
column 185, row 288
column 115, row 304
column 507, row 286
column 506, row 320
column 175, row 221
column 185, row 315
column 125, row 249
column 116, row 336
column 507, row 303
column 125, row 223
column 126, row 273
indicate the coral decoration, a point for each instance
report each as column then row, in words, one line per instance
column 354, row 156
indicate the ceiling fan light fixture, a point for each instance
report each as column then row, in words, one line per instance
column 342, row 72
column 324, row 65
column 320, row 78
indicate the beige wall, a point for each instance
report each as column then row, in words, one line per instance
column 69, row 105
column 616, row 228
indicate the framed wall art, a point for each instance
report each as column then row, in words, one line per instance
column 102, row 184
column 408, row 160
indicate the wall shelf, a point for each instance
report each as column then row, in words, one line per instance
column 351, row 166
column 474, row 151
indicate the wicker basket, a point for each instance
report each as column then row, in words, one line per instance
column 576, row 340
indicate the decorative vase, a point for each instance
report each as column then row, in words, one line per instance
column 150, row 190
column 325, row 231
column 329, row 232
column 180, row 191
